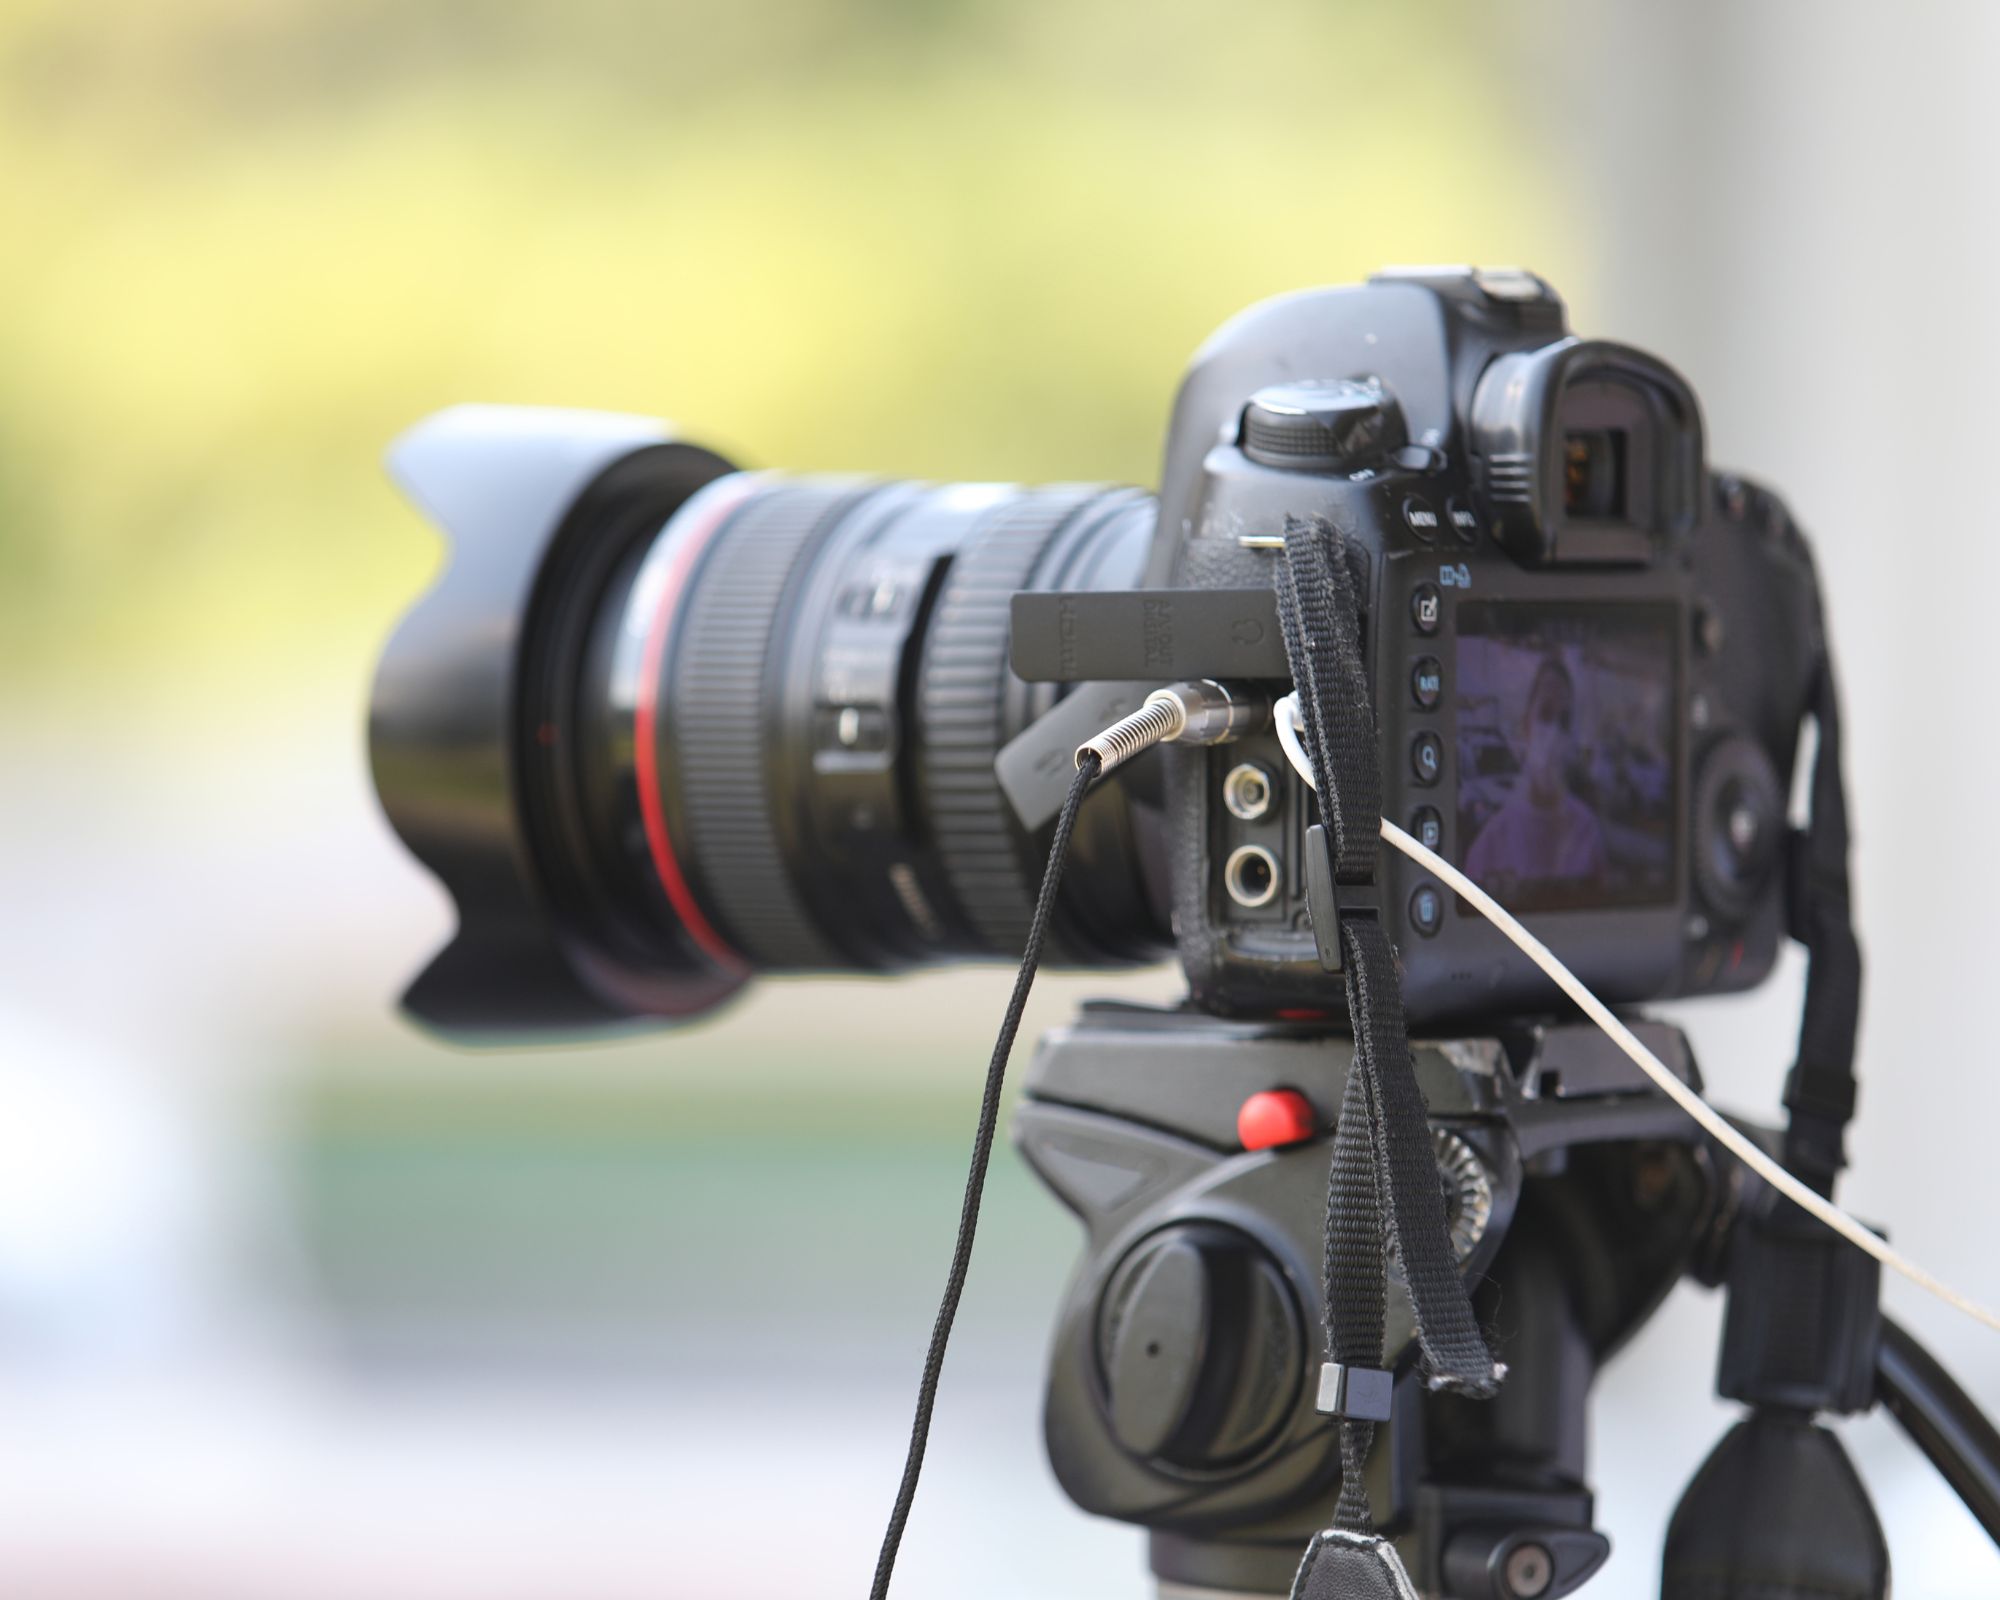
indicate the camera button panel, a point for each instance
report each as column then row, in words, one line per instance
column 1421, row 518
column 1463, row 521
column 1427, row 759
column 1426, row 909
column 1426, row 609
column 1426, row 683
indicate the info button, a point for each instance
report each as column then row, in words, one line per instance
column 1464, row 521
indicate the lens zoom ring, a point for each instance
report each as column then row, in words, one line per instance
column 962, row 691
column 717, row 689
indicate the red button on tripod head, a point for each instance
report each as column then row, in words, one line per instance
column 1274, row 1117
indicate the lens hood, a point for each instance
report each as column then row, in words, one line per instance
column 519, row 492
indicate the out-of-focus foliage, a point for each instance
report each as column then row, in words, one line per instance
column 242, row 243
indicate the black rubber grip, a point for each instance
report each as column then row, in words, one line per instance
column 718, row 698
column 962, row 690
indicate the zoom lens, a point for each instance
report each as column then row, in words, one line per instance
column 804, row 686
column 755, row 726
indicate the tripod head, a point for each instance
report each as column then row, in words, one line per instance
column 1578, row 1196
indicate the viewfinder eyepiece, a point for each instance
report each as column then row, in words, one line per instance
column 1589, row 453
column 1594, row 473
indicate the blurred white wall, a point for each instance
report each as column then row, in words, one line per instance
column 1796, row 204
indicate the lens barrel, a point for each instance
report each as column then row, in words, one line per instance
column 808, row 685
column 753, row 728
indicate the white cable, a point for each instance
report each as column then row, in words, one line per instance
column 1705, row 1115
column 1290, row 719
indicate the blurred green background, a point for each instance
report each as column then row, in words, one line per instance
column 248, row 243
column 251, row 241
column 295, row 1301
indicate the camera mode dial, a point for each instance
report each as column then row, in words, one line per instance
column 1322, row 425
column 1199, row 1347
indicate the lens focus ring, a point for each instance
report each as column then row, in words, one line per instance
column 962, row 692
column 718, row 700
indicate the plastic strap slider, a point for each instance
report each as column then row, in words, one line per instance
column 1358, row 1394
column 1328, row 899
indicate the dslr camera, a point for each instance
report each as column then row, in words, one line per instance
column 665, row 723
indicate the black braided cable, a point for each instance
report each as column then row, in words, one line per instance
column 1088, row 766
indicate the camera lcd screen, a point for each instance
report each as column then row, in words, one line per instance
column 1566, row 753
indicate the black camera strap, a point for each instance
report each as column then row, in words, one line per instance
column 1820, row 1089
column 1383, row 1194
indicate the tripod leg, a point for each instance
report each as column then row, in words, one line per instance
column 1943, row 1422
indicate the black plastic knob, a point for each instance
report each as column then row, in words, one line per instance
column 1739, row 824
column 1522, row 1563
column 1200, row 1347
column 1322, row 425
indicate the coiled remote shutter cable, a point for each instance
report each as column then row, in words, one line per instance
column 1088, row 767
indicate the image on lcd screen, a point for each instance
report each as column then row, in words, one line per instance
column 1566, row 738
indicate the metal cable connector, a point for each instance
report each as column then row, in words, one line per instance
column 1204, row 712
column 1158, row 720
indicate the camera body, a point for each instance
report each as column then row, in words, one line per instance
column 664, row 724
column 1589, row 661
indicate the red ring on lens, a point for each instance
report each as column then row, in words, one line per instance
column 689, row 542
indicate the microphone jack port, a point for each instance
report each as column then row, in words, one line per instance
column 1251, row 876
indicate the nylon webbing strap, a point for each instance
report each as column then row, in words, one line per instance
column 1321, row 619
column 1383, row 1193
column 1820, row 1089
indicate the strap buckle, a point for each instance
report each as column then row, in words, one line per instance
column 1355, row 1394
column 1329, row 897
